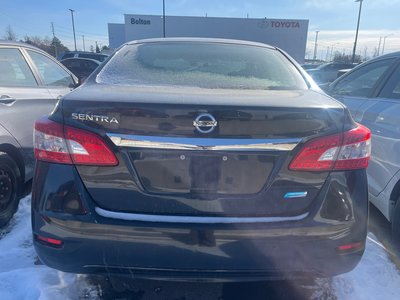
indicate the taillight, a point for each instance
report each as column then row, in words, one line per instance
column 54, row 142
column 349, row 150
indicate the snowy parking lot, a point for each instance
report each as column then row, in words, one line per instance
column 22, row 276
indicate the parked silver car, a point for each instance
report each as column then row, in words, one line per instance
column 31, row 81
column 372, row 93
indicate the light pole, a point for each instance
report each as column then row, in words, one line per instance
column 330, row 58
column 379, row 45
column 384, row 41
column 83, row 39
column 358, row 26
column 316, row 44
column 163, row 9
column 73, row 25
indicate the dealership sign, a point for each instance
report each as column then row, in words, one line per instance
column 278, row 24
column 140, row 21
column 285, row 24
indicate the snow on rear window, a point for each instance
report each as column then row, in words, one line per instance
column 204, row 65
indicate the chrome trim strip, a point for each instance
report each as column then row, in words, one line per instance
column 192, row 219
column 211, row 144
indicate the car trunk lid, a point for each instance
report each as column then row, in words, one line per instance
column 167, row 166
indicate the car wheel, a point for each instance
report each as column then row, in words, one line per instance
column 396, row 225
column 9, row 187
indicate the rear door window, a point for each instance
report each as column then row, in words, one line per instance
column 51, row 72
column 361, row 82
column 14, row 69
column 392, row 88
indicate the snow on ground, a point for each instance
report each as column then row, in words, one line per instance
column 21, row 277
column 375, row 277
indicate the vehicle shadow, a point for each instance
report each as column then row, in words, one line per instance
column 127, row 288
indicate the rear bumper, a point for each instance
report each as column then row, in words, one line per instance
column 196, row 253
column 95, row 244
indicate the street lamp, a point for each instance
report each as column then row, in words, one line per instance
column 73, row 25
column 163, row 8
column 83, row 39
column 316, row 45
column 384, row 41
column 379, row 45
column 330, row 58
column 358, row 26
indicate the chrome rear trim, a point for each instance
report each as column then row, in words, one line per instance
column 210, row 144
column 192, row 219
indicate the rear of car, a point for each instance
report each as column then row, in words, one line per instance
column 327, row 73
column 83, row 54
column 200, row 159
column 81, row 67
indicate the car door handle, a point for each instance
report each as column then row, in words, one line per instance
column 5, row 99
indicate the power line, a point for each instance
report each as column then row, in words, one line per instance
column 62, row 28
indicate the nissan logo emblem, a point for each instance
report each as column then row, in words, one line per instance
column 205, row 123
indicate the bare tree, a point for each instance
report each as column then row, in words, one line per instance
column 46, row 44
column 10, row 34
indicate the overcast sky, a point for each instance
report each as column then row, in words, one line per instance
column 335, row 19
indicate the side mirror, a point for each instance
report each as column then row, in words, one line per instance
column 81, row 80
column 74, row 83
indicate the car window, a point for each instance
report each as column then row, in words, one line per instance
column 14, row 69
column 392, row 88
column 52, row 73
column 92, row 65
column 361, row 82
column 68, row 55
column 204, row 65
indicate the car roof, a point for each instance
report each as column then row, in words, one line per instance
column 84, row 52
column 17, row 44
column 81, row 59
column 389, row 55
column 200, row 40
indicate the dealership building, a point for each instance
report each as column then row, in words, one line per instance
column 289, row 35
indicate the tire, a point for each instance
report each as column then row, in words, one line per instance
column 396, row 225
column 10, row 185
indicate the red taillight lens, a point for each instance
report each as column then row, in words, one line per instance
column 49, row 241
column 54, row 142
column 87, row 148
column 345, row 151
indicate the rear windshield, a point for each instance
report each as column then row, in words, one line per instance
column 204, row 65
